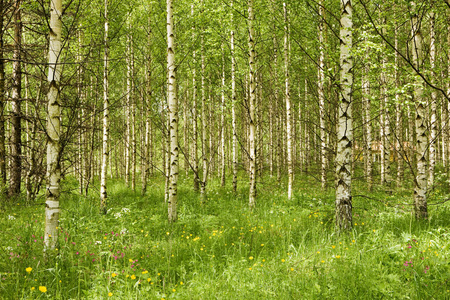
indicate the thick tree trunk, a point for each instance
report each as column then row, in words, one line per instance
column 16, row 114
column 420, row 189
column 105, row 144
column 173, row 115
column 252, row 100
column 52, row 209
column 345, row 127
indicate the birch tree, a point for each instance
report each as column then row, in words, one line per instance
column 288, row 105
column 420, row 188
column 252, row 100
column 52, row 195
column 345, row 127
column 173, row 114
column 105, row 150
column 321, row 94
column 16, row 114
column 2, row 105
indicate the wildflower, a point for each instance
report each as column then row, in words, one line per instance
column 32, row 288
column 251, row 257
column 28, row 269
column 43, row 289
column 144, row 272
column 113, row 275
column 181, row 283
column 110, row 294
column 133, row 277
column 283, row 260
column 333, row 246
column 338, row 256
column 149, row 279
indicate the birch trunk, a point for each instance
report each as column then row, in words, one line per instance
column 222, row 124
column 252, row 100
column 194, row 118
column 52, row 209
column 105, row 150
column 288, row 105
column 2, row 106
column 204, row 125
column 345, row 127
column 173, row 115
column 420, row 190
column 233, row 111
column 367, row 123
column 146, row 162
column 320, row 84
column 127, row 117
column 16, row 95
column 433, row 120
column 398, row 118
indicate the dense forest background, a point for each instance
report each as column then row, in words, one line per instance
column 239, row 97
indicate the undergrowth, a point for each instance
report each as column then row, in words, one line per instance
column 219, row 249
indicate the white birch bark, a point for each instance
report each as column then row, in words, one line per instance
column 15, row 176
column 233, row 108
column 398, row 117
column 105, row 144
column 345, row 127
column 52, row 194
column 194, row 114
column 252, row 100
column 320, row 91
column 222, row 124
column 433, row 121
column 204, row 125
column 420, row 190
column 288, row 105
column 173, row 115
column 367, row 123
column 2, row 106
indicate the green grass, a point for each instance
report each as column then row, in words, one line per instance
column 220, row 250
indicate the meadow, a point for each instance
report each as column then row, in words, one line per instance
column 219, row 249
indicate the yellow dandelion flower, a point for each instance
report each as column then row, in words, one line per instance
column 292, row 269
column 322, row 261
column 333, row 246
column 109, row 294
column 144, row 272
column 283, row 260
column 43, row 289
column 32, row 288
column 133, row 277
column 251, row 257
column 28, row 269
column 113, row 275
column 173, row 290
column 149, row 279
column 181, row 283
column 338, row 256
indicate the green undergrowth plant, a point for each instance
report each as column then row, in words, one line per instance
column 219, row 249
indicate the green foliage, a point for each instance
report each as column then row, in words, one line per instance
column 219, row 249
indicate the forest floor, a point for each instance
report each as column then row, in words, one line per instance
column 219, row 249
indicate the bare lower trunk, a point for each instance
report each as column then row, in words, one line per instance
column 320, row 83
column 52, row 194
column 105, row 150
column 420, row 190
column 288, row 106
column 433, row 121
column 16, row 129
column 252, row 100
column 345, row 127
column 2, row 107
column 173, row 116
column 233, row 112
